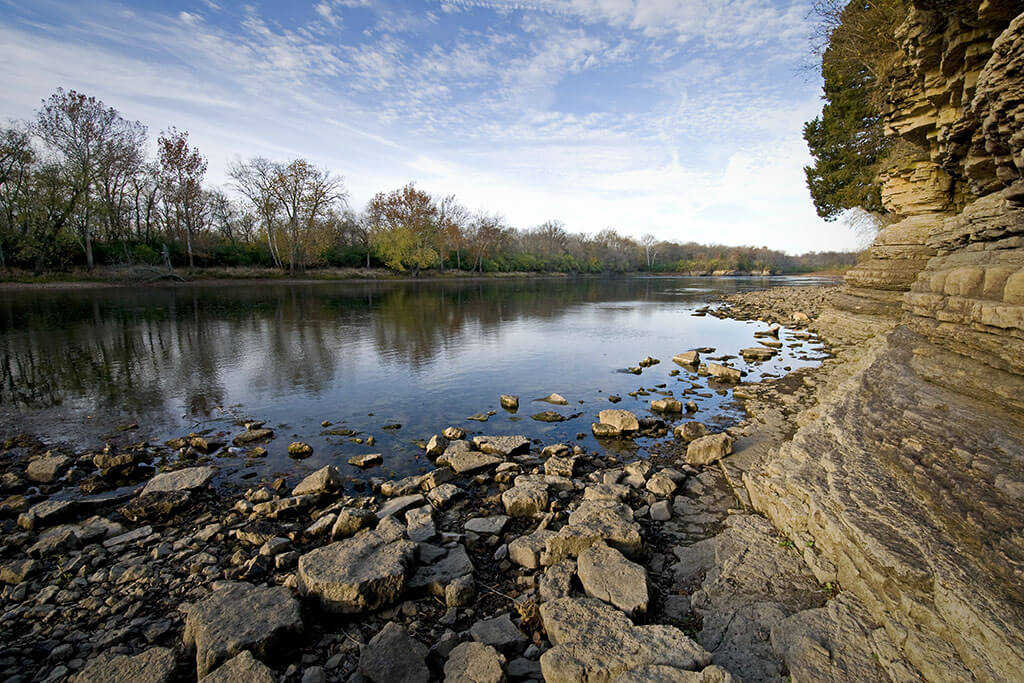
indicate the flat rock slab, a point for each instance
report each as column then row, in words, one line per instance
column 324, row 480
column 708, row 449
column 623, row 421
column 474, row 663
column 486, row 526
column 608, row 576
column 525, row 500
column 498, row 632
column 594, row 642
column 393, row 655
column 659, row 673
column 723, row 373
column 240, row 616
column 361, row 573
column 465, row 461
column 180, row 480
column 435, row 577
column 155, row 665
column 593, row 521
column 502, row 445
column 242, row 668
column 397, row 506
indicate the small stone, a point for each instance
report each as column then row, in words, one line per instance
column 299, row 449
column 526, row 550
column 314, row 674
column 667, row 405
column 498, row 632
column 444, row 494
column 687, row 358
column 661, row 484
column 16, row 571
column 486, row 526
column 454, row 433
column 554, row 399
column 393, row 655
column 661, row 511
column 351, row 520
column 242, row 668
column 251, row 436
column 46, row 468
column 366, row 459
column 324, row 480
column 548, row 416
column 436, row 446
column 460, row 592
column 473, row 662
column 509, row 402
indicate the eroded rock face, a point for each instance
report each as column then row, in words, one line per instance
column 240, row 616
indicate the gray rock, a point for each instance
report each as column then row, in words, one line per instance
column 594, row 642
column 454, row 433
column 509, row 402
column 662, row 484
column 393, row 655
column 351, row 520
column 16, row 571
column 45, row 513
column 487, row 526
column 242, row 668
column 708, row 449
column 155, row 665
column 180, row 480
column 325, row 480
column 556, row 581
column 240, row 616
column 460, row 458
column 474, row 662
column 361, row 573
column 460, row 592
column 420, row 524
column 314, row 674
column 366, row 459
column 592, row 521
column 444, row 494
column 661, row 511
column 606, row 575
column 251, row 436
column 504, row 446
column 525, row 500
column 397, row 506
column 623, row 421
column 435, row 577
column 498, row 632
column 46, row 468
column 560, row 467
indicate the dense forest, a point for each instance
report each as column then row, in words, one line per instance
column 78, row 189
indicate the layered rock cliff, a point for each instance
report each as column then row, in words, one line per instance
column 908, row 476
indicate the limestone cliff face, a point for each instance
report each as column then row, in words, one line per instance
column 910, row 477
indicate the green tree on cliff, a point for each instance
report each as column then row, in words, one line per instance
column 857, row 45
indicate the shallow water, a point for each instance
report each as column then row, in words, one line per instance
column 361, row 356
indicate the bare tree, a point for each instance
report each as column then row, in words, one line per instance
column 181, row 178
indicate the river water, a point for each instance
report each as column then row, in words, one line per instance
column 174, row 360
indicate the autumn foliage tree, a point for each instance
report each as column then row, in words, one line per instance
column 181, row 176
column 404, row 229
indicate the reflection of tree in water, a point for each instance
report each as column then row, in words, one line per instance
column 161, row 350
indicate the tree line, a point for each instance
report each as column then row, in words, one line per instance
column 78, row 189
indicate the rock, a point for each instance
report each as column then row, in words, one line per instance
column 116, row 464
column 402, row 487
column 242, row 668
column 724, row 373
column 359, row 574
column 56, row 541
column 351, row 520
column 662, row 484
column 757, row 354
column 486, row 526
column 460, row 458
column 525, row 500
column 474, row 662
column 509, row 402
column 560, row 467
column 504, row 446
column 594, row 642
column 604, row 431
column 299, row 449
column 16, row 571
column 556, row 581
column 687, row 359
column 623, row 421
column 688, row 431
column 667, row 405
column 548, row 416
column 691, row 407
column 444, row 494
column 525, row 550
column 237, row 617
column 593, row 521
column 46, row 468
column 155, row 505
column 800, row 317
column 283, row 507
column 659, row 673
column 393, row 655
column 436, row 446
column 434, row 478
column 45, row 513
column 325, row 480
column 708, row 449
column 648, row 362
column 155, row 665
column 251, row 436
column 661, row 511
column 479, row 417
column 460, row 592
column 366, row 459
column 606, row 575
column 498, row 632
column 420, row 524
column 555, row 399
column 397, row 506
column 186, row 479
column 314, row 674
column 454, row 433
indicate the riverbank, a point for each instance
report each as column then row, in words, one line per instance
column 501, row 544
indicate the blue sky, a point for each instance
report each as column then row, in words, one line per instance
column 681, row 118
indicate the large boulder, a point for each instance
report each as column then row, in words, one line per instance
column 180, row 480
column 393, row 655
column 525, row 500
column 608, row 576
column 708, row 449
column 594, row 642
column 240, row 616
column 361, row 573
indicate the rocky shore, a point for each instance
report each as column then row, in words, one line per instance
column 510, row 560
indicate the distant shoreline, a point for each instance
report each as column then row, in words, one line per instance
column 207, row 277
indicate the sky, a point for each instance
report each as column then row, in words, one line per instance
column 679, row 118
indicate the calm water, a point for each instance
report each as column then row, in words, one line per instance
column 424, row 355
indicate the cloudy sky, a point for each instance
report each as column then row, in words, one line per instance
column 677, row 117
